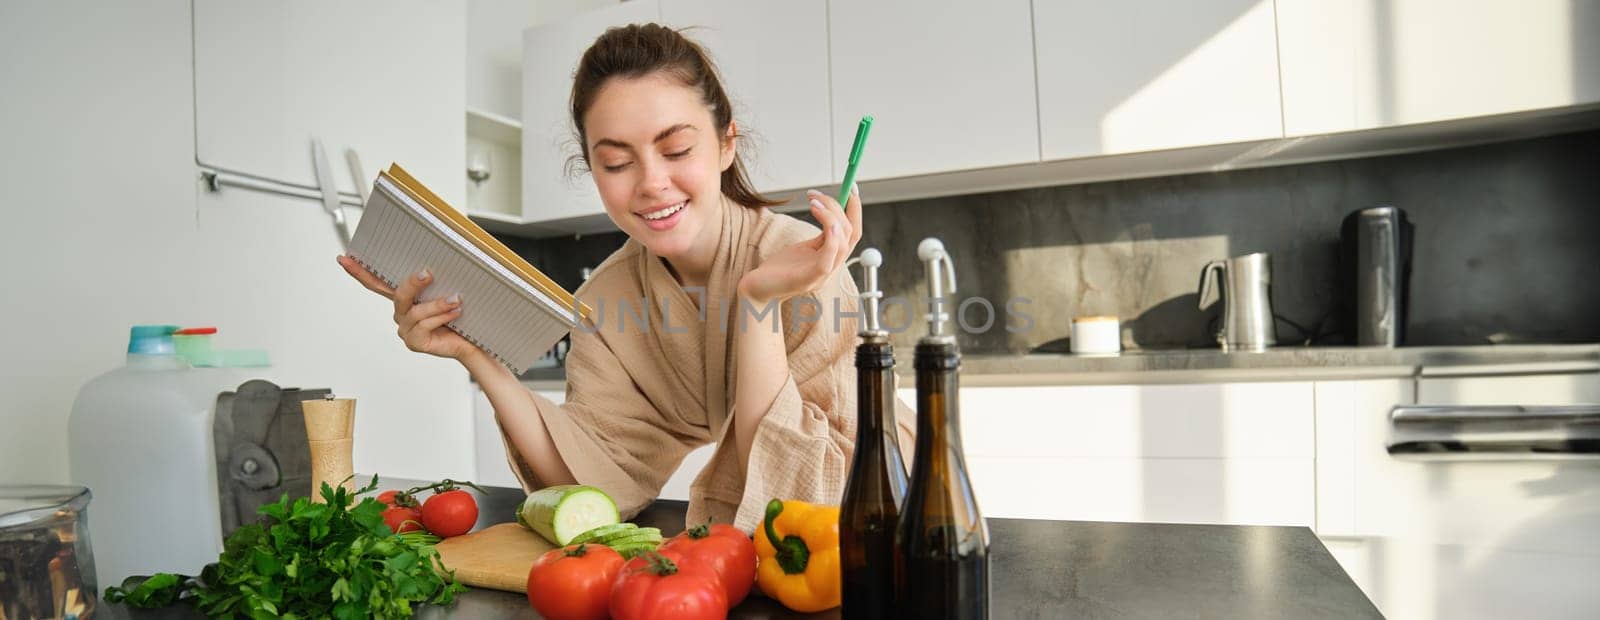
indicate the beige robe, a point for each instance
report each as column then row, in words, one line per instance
column 640, row 398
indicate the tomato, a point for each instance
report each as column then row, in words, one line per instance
column 451, row 513
column 726, row 550
column 665, row 585
column 387, row 497
column 403, row 518
column 574, row 583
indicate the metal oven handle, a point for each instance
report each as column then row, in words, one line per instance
column 1494, row 432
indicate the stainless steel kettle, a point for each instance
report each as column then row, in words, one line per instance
column 1246, row 301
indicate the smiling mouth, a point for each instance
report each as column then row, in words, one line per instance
column 661, row 214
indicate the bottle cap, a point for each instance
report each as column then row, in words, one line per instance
column 941, row 274
column 872, row 322
column 151, row 339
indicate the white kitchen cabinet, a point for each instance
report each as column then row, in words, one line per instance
column 1430, row 538
column 773, row 56
column 490, row 452
column 1236, row 453
column 951, row 84
column 1144, row 75
column 1374, row 63
column 382, row 78
column 1470, row 388
column 550, row 55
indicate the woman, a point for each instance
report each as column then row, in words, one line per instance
column 775, row 391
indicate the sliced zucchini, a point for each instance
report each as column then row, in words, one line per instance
column 561, row 513
column 638, row 534
column 597, row 535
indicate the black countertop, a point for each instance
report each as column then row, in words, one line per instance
column 1056, row 569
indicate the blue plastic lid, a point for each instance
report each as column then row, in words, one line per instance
column 152, row 340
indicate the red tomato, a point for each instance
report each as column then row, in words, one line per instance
column 574, row 583
column 726, row 550
column 665, row 585
column 387, row 497
column 451, row 513
column 403, row 519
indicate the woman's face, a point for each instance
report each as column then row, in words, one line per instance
column 657, row 160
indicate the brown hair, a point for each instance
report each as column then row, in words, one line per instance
column 637, row 50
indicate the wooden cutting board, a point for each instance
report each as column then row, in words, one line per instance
column 497, row 557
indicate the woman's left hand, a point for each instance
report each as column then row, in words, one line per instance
column 805, row 266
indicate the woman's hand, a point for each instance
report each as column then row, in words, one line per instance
column 806, row 266
column 421, row 325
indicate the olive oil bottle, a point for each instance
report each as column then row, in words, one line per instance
column 942, row 544
column 876, row 487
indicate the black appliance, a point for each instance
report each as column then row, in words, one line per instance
column 1375, row 244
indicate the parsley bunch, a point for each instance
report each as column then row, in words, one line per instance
column 310, row 560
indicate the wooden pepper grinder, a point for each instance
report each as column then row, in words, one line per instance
column 330, row 425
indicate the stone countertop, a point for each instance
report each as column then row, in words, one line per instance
column 1075, row 569
column 1050, row 569
column 1213, row 366
column 1275, row 364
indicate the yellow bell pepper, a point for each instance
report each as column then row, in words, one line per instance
column 799, row 555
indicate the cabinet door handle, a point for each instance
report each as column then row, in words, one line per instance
column 1508, row 432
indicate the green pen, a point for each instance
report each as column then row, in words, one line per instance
column 855, row 159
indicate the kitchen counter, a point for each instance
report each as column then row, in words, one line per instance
column 1275, row 364
column 1214, row 366
column 1071, row 569
column 1055, row 569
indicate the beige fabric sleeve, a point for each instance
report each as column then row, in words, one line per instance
column 803, row 445
column 801, row 451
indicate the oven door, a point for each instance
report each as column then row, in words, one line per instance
column 1471, row 497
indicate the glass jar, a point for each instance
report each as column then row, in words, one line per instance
column 46, row 566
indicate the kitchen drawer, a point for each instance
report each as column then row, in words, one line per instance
column 1237, row 491
column 1230, row 420
column 1530, row 389
column 1220, row 453
column 1510, row 537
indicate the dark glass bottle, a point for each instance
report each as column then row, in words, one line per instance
column 942, row 543
column 870, row 512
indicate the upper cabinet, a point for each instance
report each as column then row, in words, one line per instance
column 550, row 55
column 773, row 56
column 951, row 84
column 271, row 77
column 1361, row 64
column 1144, row 75
column 988, row 96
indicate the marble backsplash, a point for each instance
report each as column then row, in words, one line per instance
column 1506, row 245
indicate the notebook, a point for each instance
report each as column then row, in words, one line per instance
column 509, row 308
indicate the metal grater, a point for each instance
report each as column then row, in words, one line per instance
column 262, row 451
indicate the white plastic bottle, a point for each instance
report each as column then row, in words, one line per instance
column 140, row 437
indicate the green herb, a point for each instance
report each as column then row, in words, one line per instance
column 310, row 560
column 158, row 591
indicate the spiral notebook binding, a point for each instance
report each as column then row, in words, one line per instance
column 393, row 283
column 510, row 310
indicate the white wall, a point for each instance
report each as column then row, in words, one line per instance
column 106, row 226
column 99, row 216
